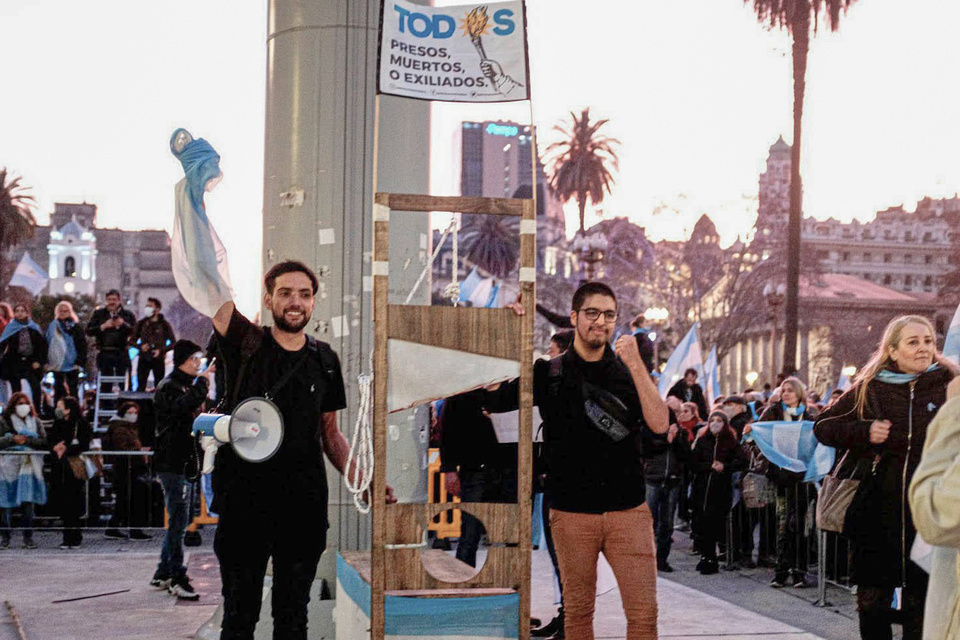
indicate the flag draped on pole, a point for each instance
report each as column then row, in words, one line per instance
column 199, row 259
column 792, row 446
column 687, row 355
column 29, row 275
column 951, row 346
column 711, row 377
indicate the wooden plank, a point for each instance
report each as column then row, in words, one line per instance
column 501, row 570
column 405, row 523
column 381, row 253
column 528, row 260
column 453, row 204
column 488, row 332
column 450, row 593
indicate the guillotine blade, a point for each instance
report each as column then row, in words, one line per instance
column 425, row 373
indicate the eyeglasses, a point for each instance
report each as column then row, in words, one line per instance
column 593, row 314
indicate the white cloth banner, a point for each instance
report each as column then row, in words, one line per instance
column 464, row 53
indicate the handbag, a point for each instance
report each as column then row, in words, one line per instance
column 758, row 490
column 78, row 467
column 837, row 494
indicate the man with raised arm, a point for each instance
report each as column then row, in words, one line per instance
column 277, row 508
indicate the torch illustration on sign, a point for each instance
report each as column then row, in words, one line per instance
column 475, row 25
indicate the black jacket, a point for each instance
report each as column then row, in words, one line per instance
column 690, row 394
column 14, row 366
column 111, row 339
column 153, row 335
column 178, row 399
column 712, row 492
column 879, row 555
column 66, row 431
column 665, row 461
column 468, row 440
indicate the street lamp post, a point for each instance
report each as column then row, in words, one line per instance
column 590, row 250
column 774, row 297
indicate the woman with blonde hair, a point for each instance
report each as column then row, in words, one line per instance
column 882, row 420
column 66, row 351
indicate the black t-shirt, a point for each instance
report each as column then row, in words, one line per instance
column 294, row 478
column 589, row 472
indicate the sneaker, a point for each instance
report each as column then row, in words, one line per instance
column 664, row 567
column 116, row 534
column 4, row 543
column 182, row 588
column 799, row 582
column 553, row 629
column 30, row 544
column 778, row 582
column 160, row 580
column 709, row 568
column 139, row 534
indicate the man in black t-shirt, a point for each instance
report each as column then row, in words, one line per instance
column 277, row 507
column 597, row 403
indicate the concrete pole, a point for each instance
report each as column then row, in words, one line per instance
column 317, row 202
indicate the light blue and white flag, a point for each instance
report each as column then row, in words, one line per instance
column 711, row 377
column 951, row 345
column 687, row 355
column 843, row 383
column 480, row 292
column 29, row 275
column 792, row 446
column 199, row 258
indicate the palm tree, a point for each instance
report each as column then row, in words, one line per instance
column 16, row 214
column 582, row 161
column 800, row 18
column 491, row 242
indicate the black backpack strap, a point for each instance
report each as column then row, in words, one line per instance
column 248, row 348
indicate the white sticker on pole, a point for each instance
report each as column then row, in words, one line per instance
column 381, row 213
column 327, row 236
column 528, row 227
column 381, row 268
column 528, row 274
column 464, row 53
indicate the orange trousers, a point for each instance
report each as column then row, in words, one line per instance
column 626, row 540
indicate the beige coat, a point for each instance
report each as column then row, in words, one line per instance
column 935, row 502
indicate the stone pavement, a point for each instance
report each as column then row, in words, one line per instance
column 729, row 606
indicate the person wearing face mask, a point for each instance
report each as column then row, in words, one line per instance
column 154, row 337
column 789, row 403
column 21, row 476
column 70, row 435
column 131, row 491
column 882, row 420
column 67, row 351
column 24, row 352
column 716, row 454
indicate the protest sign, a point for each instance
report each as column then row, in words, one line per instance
column 465, row 53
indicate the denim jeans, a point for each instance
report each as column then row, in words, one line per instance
column 27, row 527
column 662, row 499
column 176, row 497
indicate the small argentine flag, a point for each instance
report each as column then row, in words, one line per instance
column 687, row 355
column 29, row 275
column 711, row 375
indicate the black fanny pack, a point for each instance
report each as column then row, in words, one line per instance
column 606, row 412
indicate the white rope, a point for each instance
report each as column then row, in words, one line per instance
column 452, row 290
column 427, row 267
column 361, row 449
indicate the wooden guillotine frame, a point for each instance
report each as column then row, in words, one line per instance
column 398, row 529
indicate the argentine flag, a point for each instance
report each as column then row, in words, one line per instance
column 792, row 446
column 711, row 377
column 951, row 345
column 481, row 292
column 29, row 275
column 687, row 355
column 199, row 258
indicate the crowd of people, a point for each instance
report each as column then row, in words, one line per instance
column 49, row 411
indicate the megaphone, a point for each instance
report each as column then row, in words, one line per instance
column 254, row 430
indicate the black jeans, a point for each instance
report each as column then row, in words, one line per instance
column 145, row 366
column 69, row 494
column 481, row 485
column 66, row 383
column 792, row 552
column 113, row 363
column 876, row 616
column 242, row 567
column 32, row 376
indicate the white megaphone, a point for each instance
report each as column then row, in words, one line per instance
column 254, row 430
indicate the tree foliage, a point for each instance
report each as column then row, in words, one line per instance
column 583, row 161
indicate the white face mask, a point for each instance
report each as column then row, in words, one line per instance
column 148, row 312
column 716, row 427
column 130, row 417
column 23, row 410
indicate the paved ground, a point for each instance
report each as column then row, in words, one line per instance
column 730, row 605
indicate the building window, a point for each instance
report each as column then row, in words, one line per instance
column 823, row 255
column 845, row 256
column 867, row 257
column 908, row 236
column 887, row 279
column 928, row 281
column 69, row 267
column 908, row 281
column 908, row 258
column 868, row 277
column 887, row 257
column 927, row 237
column 928, row 259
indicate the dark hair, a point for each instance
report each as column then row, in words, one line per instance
column 689, row 371
column 289, row 266
column 73, row 405
column 22, row 304
column 126, row 406
column 112, row 292
column 156, row 303
column 563, row 339
column 14, row 401
column 638, row 321
column 588, row 289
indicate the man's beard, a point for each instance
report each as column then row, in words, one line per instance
column 593, row 341
column 280, row 322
